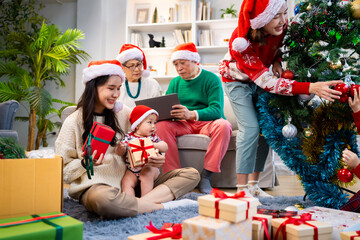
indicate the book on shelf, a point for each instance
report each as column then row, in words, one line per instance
column 181, row 37
column 136, row 39
column 206, row 38
column 180, row 12
column 204, row 11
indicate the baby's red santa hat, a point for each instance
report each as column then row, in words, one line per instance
column 139, row 113
column 102, row 68
column 185, row 51
column 255, row 14
column 129, row 52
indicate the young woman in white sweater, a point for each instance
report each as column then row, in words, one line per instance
column 102, row 193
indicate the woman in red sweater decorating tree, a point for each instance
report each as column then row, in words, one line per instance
column 254, row 47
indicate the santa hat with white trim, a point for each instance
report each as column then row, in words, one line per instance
column 129, row 52
column 255, row 14
column 185, row 51
column 139, row 113
column 102, row 68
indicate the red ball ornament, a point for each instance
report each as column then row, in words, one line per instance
column 353, row 88
column 288, row 74
column 345, row 91
column 345, row 175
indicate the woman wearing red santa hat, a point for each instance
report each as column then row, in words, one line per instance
column 138, row 84
column 253, row 48
column 102, row 193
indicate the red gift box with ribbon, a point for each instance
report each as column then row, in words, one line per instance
column 140, row 149
column 300, row 227
column 99, row 139
column 231, row 207
column 261, row 227
column 164, row 233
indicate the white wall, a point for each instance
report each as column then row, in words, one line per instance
column 103, row 23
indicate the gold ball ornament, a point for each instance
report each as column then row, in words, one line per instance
column 309, row 7
column 308, row 133
column 335, row 65
column 299, row 206
column 355, row 9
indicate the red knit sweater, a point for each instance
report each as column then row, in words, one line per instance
column 254, row 63
column 356, row 116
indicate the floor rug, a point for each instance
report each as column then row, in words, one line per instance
column 94, row 228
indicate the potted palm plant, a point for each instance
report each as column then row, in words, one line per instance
column 48, row 55
column 229, row 12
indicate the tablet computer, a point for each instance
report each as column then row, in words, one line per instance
column 162, row 104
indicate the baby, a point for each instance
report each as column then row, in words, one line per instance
column 143, row 120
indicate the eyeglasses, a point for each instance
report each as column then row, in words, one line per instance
column 133, row 66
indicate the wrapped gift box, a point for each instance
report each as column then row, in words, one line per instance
column 259, row 223
column 139, row 151
column 30, row 186
column 350, row 235
column 340, row 220
column 201, row 227
column 301, row 231
column 147, row 235
column 100, row 135
column 163, row 233
column 230, row 209
column 44, row 229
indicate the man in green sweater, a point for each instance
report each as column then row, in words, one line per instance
column 200, row 112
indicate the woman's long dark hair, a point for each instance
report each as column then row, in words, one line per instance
column 87, row 103
column 256, row 35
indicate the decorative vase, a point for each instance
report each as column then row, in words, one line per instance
column 227, row 16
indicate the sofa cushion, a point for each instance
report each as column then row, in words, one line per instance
column 201, row 142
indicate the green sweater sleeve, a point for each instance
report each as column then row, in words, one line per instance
column 215, row 94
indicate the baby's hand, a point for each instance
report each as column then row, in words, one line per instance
column 121, row 149
column 350, row 158
column 156, row 145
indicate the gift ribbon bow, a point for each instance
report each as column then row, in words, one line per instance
column 37, row 218
column 142, row 148
column 354, row 236
column 264, row 222
column 220, row 194
column 296, row 221
column 165, row 233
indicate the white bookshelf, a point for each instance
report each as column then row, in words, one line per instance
column 158, row 58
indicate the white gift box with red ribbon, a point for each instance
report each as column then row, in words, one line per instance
column 231, row 207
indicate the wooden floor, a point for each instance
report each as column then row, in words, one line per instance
column 291, row 186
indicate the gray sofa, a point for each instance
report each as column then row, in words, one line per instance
column 7, row 115
column 192, row 149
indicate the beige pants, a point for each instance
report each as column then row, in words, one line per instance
column 110, row 202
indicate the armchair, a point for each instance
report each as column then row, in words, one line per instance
column 7, row 116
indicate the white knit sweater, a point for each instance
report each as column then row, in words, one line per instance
column 69, row 144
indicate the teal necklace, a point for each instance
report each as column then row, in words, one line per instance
column 128, row 89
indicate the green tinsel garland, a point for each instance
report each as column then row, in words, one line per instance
column 11, row 149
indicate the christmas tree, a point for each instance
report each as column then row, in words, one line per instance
column 321, row 44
